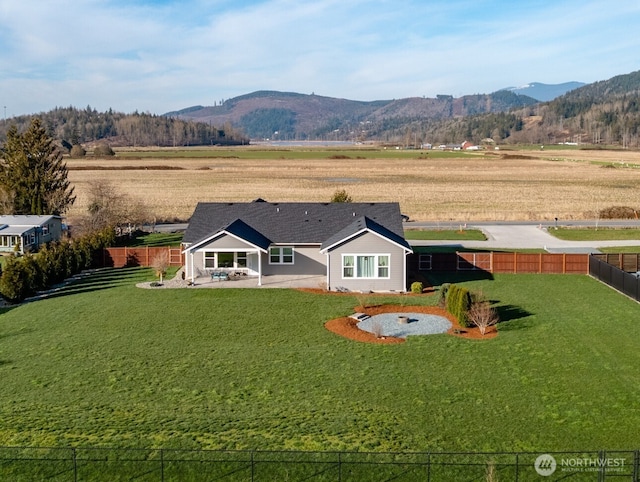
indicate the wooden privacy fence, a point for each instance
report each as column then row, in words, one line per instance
column 143, row 256
column 563, row 263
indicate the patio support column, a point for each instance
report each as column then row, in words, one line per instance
column 404, row 272
column 259, row 268
column 193, row 278
column 328, row 272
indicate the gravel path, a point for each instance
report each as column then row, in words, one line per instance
column 419, row 324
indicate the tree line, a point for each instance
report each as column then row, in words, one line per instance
column 72, row 126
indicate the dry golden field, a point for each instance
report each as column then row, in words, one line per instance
column 519, row 185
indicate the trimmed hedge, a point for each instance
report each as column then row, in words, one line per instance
column 25, row 276
column 458, row 302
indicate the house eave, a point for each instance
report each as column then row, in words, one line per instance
column 196, row 246
column 358, row 233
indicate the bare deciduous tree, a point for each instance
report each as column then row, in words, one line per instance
column 160, row 263
column 108, row 208
column 483, row 315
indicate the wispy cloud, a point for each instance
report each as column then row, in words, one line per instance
column 160, row 55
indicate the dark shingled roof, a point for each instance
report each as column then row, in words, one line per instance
column 293, row 223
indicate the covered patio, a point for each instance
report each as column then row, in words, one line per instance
column 265, row 281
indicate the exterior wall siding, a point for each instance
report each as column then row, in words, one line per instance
column 306, row 260
column 368, row 243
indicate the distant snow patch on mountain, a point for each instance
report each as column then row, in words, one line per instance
column 544, row 92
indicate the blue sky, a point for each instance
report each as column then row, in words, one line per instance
column 163, row 55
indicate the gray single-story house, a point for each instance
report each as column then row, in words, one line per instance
column 28, row 232
column 355, row 246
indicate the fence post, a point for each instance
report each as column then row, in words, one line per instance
column 636, row 466
column 252, row 467
column 517, row 466
column 428, row 466
column 75, row 464
column 161, row 465
column 339, row 467
column 601, row 472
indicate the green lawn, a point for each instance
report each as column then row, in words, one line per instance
column 152, row 239
column 621, row 249
column 107, row 364
column 445, row 234
column 593, row 234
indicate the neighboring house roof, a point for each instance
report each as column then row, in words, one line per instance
column 6, row 230
column 26, row 220
column 293, row 223
column 359, row 226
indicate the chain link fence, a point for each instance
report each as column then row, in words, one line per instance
column 103, row 464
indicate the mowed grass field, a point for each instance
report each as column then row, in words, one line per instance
column 429, row 185
column 104, row 363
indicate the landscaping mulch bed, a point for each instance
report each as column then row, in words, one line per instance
column 347, row 327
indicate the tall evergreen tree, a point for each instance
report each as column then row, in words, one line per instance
column 32, row 173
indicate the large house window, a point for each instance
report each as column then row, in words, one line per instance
column 225, row 260
column 365, row 266
column 280, row 255
column 222, row 259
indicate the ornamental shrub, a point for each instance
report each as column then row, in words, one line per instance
column 451, row 300
column 458, row 302
column 442, row 296
column 416, row 287
column 14, row 284
column 464, row 304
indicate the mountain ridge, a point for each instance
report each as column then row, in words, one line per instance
column 265, row 114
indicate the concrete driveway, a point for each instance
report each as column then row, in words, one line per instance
column 526, row 236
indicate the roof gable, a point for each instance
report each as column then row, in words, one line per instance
column 360, row 225
column 239, row 229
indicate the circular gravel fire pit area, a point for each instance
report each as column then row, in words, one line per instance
column 391, row 324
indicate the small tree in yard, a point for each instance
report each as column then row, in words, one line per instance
column 341, row 196
column 160, row 263
column 483, row 315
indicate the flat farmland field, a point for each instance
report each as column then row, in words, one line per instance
column 429, row 185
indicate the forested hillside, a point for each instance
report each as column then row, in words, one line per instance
column 606, row 112
column 286, row 115
column 74, row 126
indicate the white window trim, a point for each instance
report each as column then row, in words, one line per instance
column 424, row 262
column 214, row 256
column 376, row 266
column 281, row 255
